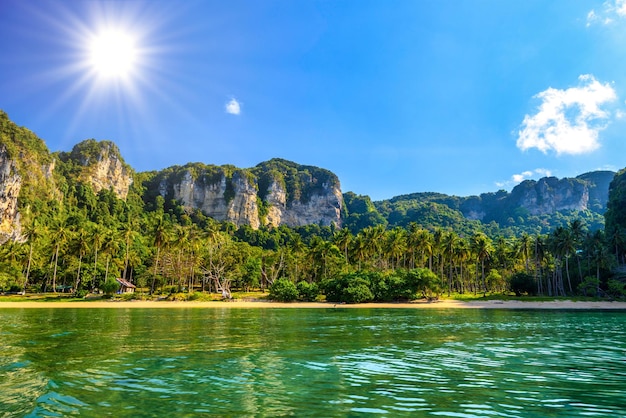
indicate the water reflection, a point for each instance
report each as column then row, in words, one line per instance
column 57, row 362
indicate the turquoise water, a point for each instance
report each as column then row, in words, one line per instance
column 311, row 362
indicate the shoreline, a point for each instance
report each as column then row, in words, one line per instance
column 441, row 304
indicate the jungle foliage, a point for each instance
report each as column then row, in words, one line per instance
column 419, row 246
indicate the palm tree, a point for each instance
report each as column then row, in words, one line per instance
column 160, row 237
column 540, row 256
column 437, row 239
column 597, row 250
column 424, row 245
column 60, row 235
column 182, row 241
column 32, row 233
column 449, row 243
column 462, row 252
column 577, row 230
column 322, row 252
column 523, row 249
column 359, row 248
column 564, row 245
column 342, row 239
column 502, row 252
column 110, row 246
column 81, row 246
column 373, row 236
column 129, row 234
column 97, row 239
column 616, row 238
column 395, row 245
column 482, row 249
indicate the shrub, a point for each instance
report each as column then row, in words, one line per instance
column 523, row 283
column 177, row 296
column 307, row 291
column 422, row 281
column 589, row 286
column 616, row 288
column 358, row 291
column 283, row 290
column 110, row 286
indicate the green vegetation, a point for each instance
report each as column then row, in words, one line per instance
column 415, row 246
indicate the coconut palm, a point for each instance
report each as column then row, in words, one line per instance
column 160, row 237
column 32, row 233
column 60, row 235
column 523, row 250
column 449, row 243
column 482, row 248
column 577, row 230
column 98, row 234
column 564, row 245
column 342, row 239
column 81, row 246
column 462, row 253
column 395, row 245
column 424, row 246
column 540, row 252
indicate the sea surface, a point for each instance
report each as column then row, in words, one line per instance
column 311, row 362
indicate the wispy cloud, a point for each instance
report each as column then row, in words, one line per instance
column 525, row 175
column 233, row 107
column 610, row 11
column 568, row 121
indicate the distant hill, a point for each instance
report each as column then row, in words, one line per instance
column 532, row 207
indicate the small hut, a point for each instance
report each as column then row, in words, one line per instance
column 125, row 286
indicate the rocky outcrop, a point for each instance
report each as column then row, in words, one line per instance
column 231, row 199
column 549, row 195
column 103, row 165
column 545, row 196
column 274, row 193
column 322, row 208
column 10, row 186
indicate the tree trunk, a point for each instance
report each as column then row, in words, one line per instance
column 156, row 265
column 54, row 275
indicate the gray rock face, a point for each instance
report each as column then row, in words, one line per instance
column 234, row 197
column 549, row 195
column 238, row 207
column 107, row 170
column 322, row 208
column 10, row 186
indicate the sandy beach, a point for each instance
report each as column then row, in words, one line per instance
column 441, row 304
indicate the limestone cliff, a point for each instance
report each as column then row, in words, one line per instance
column 273, row 193
column 550, row 194
column 102, row 166
column 26, row 175
column 10, row 186
column 322, row 207
column 545, row 196
column 225, row 195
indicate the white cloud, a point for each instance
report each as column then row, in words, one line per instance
column 233, row 107
column 610, row 11
column 524, row 175
column 568, row 121
column 518, row 178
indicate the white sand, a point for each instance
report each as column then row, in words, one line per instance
column 442, row 304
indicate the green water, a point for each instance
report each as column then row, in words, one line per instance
column 318, row 362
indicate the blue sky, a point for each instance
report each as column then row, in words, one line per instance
column 459, row 97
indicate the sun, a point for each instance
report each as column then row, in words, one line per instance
column 113, row 53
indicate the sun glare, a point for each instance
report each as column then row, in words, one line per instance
column 113, row 54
